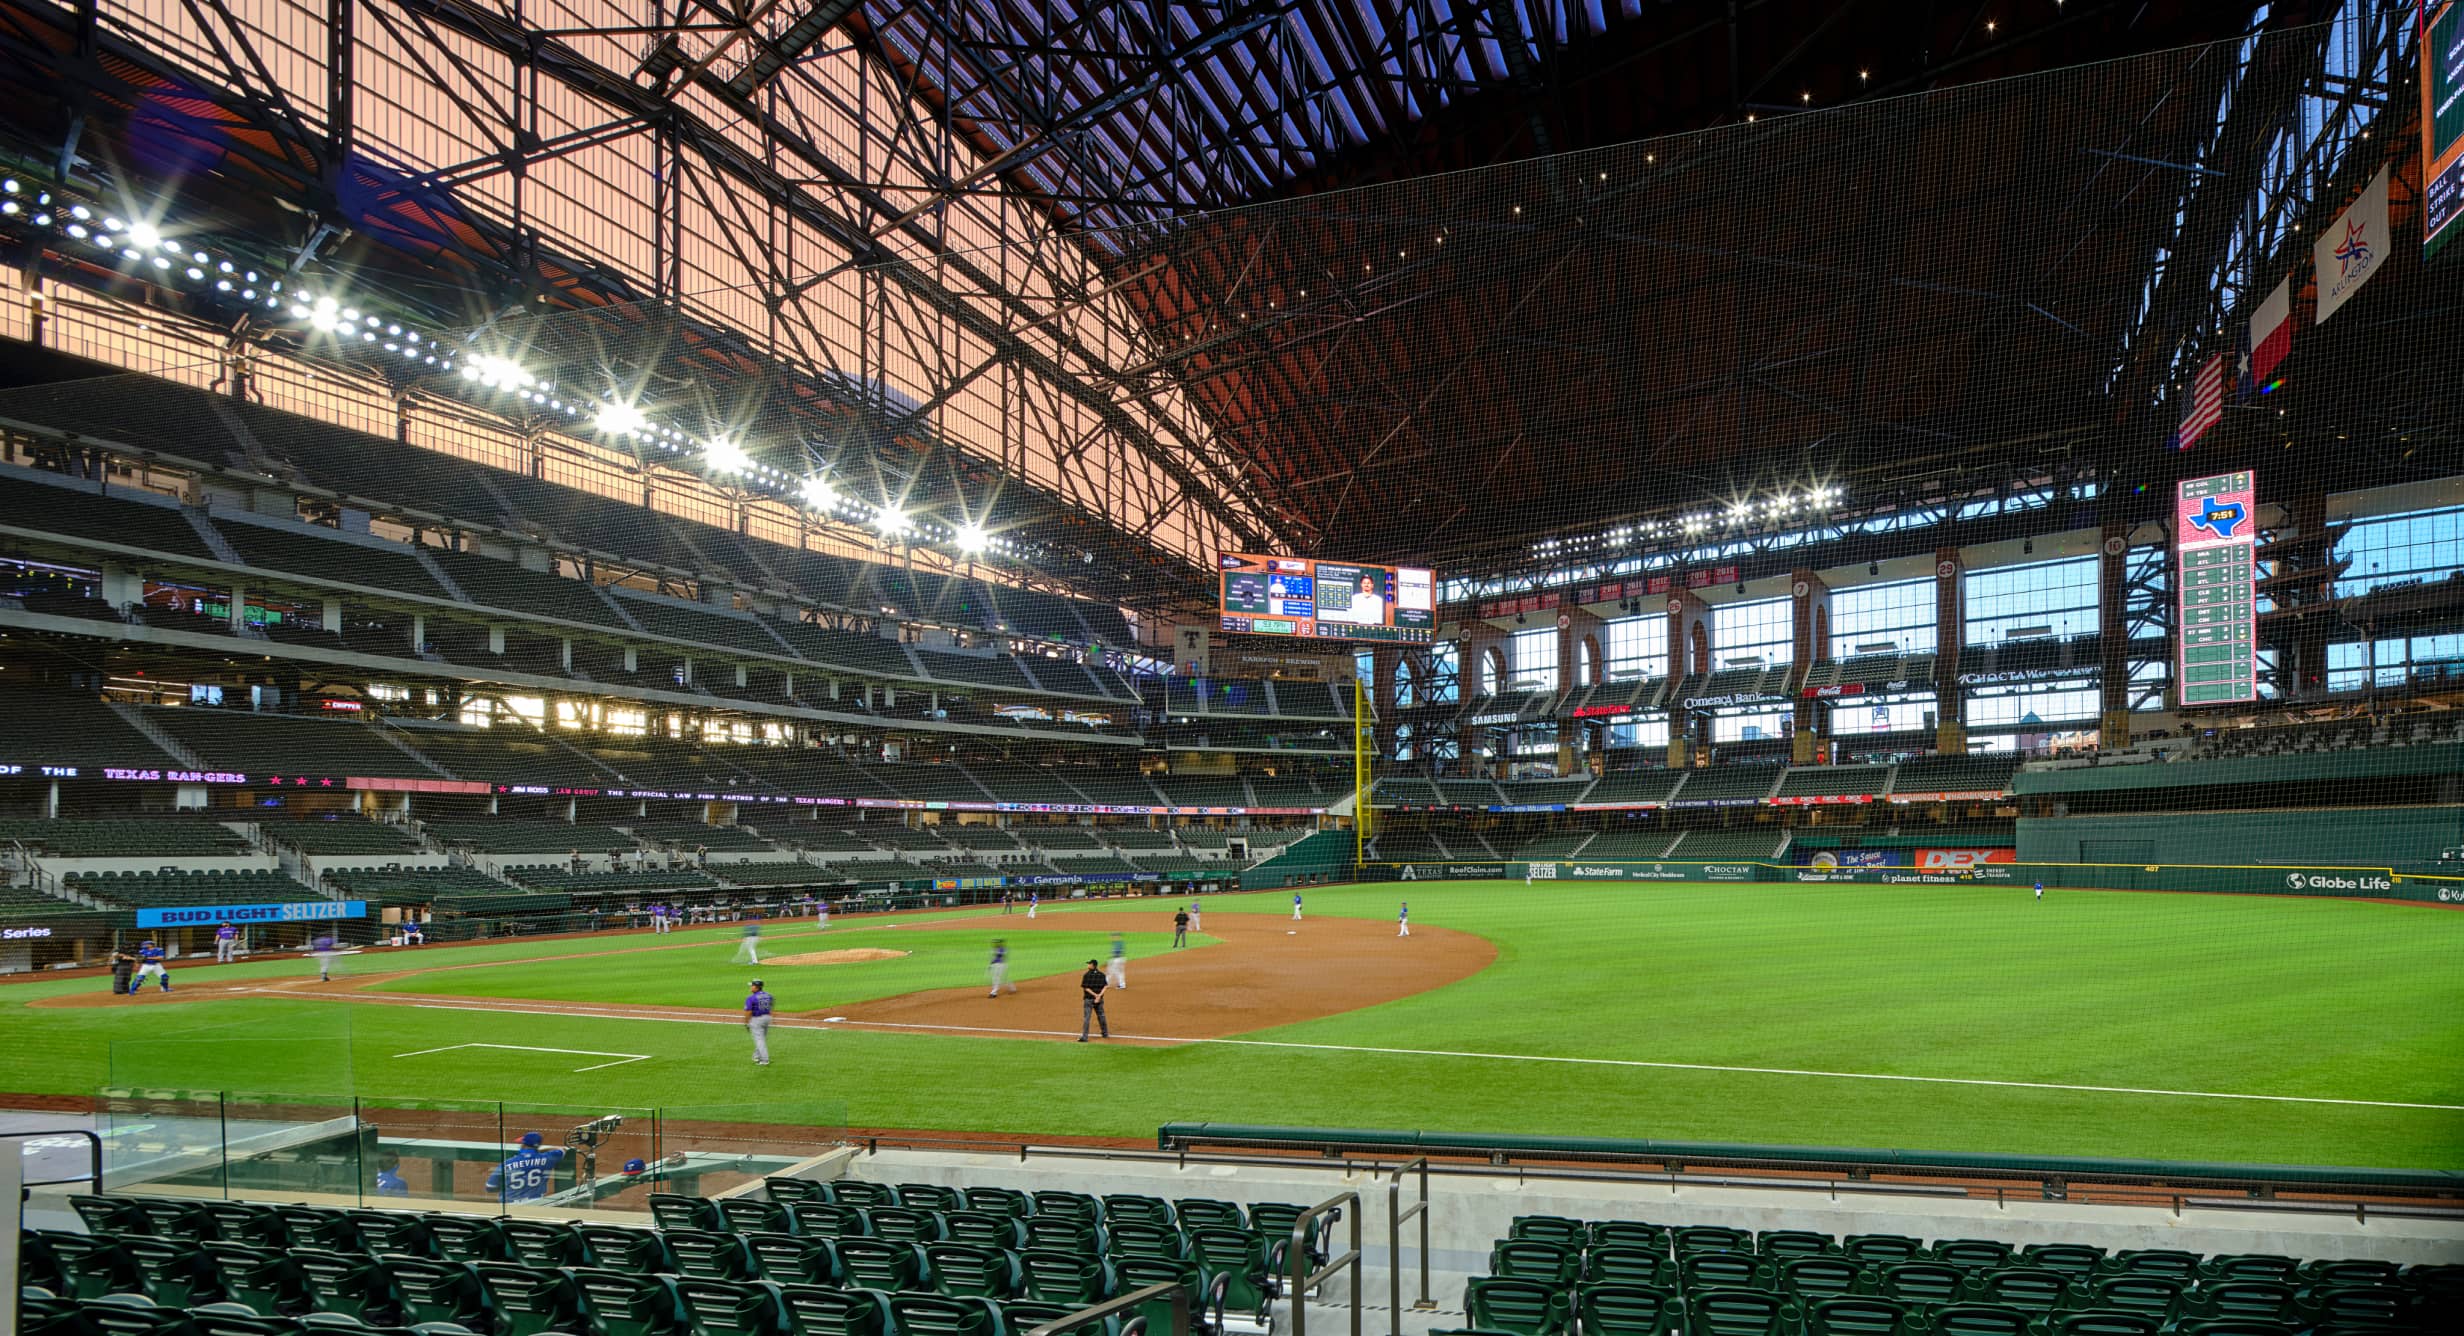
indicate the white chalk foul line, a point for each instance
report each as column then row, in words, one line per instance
column 2155, row 1091
column 621, row 1058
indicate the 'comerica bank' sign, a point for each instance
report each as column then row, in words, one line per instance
column 192, row 916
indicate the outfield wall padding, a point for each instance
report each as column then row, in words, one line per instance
column 2354, row 836
column 2378, row 883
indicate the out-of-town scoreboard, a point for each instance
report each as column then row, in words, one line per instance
column 2215, row 537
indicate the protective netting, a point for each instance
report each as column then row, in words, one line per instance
column 2040, row 485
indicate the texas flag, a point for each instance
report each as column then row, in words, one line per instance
column 2271, row 333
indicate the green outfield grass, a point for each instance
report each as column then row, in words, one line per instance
column 1989, row 997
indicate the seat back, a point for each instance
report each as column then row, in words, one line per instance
column 786, row 1190
column 1882, row 1249
column 319, row 1227
column 984, row 1229
column 2253, row 1266
column 2032, row 1288
column 545, row 1243
column 1972, row 1254
column 829, row 1219
column 795, row 1259
column 1078, row 1279
column 1979, row 1320
column 177, row 1273
column 2106, row 1322
column 928, row 1197
column 1858, row 1315
column 1784, row 1243
column 1627, row 1264
column 966, row 1271
column 109, row 1215
column 1021, row 1316
column 470, row 1238
column 351, row 1283
column 2348, row 1271
column 1064, row 1233
column 1823, row 1277
column 1232, row 1272
column 857, row 1192
column 268, row 1280
column 433, row 1290
column 907, row 1225
column 1009, row 1203
column 1531, row 1259
column 394, row 1233
column 883, row 1264
column 815, row 1311
column 943, row 1315
column 1512, row 1304
column 747, row 1214
column 2140, row 1294
column 246, row 1222
column 136, row 1318
column 1143, row 1238
column 1136, row 1273
column 1627, row 1310
column 629, row 1303
column 2076, row 1260
column 709, row 1254
column 1924, row 1283
column 233, row 1320
column 1208, row 1212
column 2266, row 1300
column 2172, row 1262
column 1124, row 1206
column 530, row 1300
column 1564, row 1231
column 1724, row 1270
column 1711, row 1238
column 674, row 1210
column 1629, row 1234
column 171, row 1218
column 624, row 1248
column 1069, row 1206
column 1726, row 1312
column 731, row 1307
column 2361, row 1305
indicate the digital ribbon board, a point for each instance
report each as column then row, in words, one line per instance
column 2216, row 537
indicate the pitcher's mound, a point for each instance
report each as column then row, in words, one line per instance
column 854, row 955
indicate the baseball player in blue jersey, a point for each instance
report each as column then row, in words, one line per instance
column 757, row 1008
column 1001, row 968
column 2040, row 892
column 226, row 943
column 1403, row 918
column 1296, row 906
column 524, row 1174
column 748, row 950
column 389, row 1177
column 150, row 962
column 1034, row 898
column 1197, row 920
column 1118, row 970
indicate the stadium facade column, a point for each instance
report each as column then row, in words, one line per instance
column 1810, row 632
column 1950, row 637
column 2306, row 674
column 330, row 615
column 1385, row 663
column 1575, row 626
column 237, row 612
column 1689, row 655
column 496, row 637
column 2113, row 635
column 122, row 586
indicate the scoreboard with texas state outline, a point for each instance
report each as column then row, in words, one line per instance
column 2215, row 534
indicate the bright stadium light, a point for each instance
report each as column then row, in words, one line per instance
column 724, row 455
column 144, row 235
column 890, row 521
column 621, row 419
column 972, row 538
column 818, row 493
column 326, row 316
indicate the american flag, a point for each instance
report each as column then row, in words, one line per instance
column 2206, row 403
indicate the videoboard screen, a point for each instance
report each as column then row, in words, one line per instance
column 2215, row 535
column 1336, row 600
column 2442, row 122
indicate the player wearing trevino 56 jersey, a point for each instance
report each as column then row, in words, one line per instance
column 524, row 1174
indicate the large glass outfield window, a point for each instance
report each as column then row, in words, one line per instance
column 1748, row 630
column 1531, row 656
column 1901, row 612
column 2059, row 596
column 2406, row 549
column 1637, row 648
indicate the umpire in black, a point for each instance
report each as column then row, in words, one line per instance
column 1091, row 987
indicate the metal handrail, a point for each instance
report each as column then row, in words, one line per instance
column 1395, row 1216
column 1178, row 1290
column 1303, row 1279
column 94, row 1156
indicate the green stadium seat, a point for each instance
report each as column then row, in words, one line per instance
column 1194, row 1212
column 2075, row 1260
column 2236, row 1326
column 1063, row 1233
column 944, row 1315
column 1009, row 1203
column 1276, row 1219
column 623, row 1248
column 38, row 1265
column 1233, row 1268
column 136, row 1315
column 350, row 1283
column 1077, row 1278
column 1925, row 1283
column 2160, row 1295
column 41, row 1313
column 342, row 1324
column 320, row 1227
column 170, row 1218
column 884, row 1264
column 984, row 1229
column 245, row 1222
column 746, row 1215
column 237, row 1320
column 110, row 1215
column 1121, row 1207
column 1783, row 1243
column 1972, row 1254
column 1628, row 1234
column 2363, row 1305
column 531, row 1300
column 1861, row 1315
column 732, row 1307
column 795, row 1259
column 2029, row 1288
column 1724, row 1271
column 1882, row 1249
column 628, row 1303
column 1711, row 1238
column 2251, row 1266
column 1137, row 1273
column 2171, row 1262
column 1810, row 1278
column 787, row 1190
column 1625, row 1264
column 470, row 1238
column 393, row 1233
column 1557, row 1229
column 1718, row 1312
column 1069, row 1206
column 709, row 1254
column 815, row 1311
column 831, row 1220
column 1511, row 1304
column 857, row 1192
column 929, row 1197
column 2348, row 1271
column 1140, row 1238
column 905, row 1224
column 2104, row 1322
column 267, row 1280
column 1532, row 1259
column 546, row 1243
column 674, row 1210
column 2266, row 1300
column 177, row 1274
column 1979, row 1320
column 1627, row 1310
column 965, row 1271
column 434, row 1290
column 1019, row 1317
